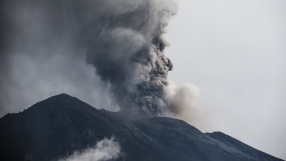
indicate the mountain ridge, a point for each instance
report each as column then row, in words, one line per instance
column 60, row 125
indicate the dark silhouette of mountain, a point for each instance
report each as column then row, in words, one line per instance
column 57, row 126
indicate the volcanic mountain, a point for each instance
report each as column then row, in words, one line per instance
column 60, row 125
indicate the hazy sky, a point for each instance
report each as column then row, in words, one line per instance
column 235, row 52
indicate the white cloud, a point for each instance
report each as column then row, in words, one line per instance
column 105, row 150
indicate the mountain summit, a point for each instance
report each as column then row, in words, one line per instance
column 60, row 125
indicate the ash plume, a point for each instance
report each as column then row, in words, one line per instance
column 122, row 39
column 126, row 48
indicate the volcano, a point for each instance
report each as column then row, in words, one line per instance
column 60, row 125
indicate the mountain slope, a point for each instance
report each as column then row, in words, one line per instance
column 56, row 127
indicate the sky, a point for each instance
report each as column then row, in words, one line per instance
column 235, row 52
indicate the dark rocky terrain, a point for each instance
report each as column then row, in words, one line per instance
column 59, row 125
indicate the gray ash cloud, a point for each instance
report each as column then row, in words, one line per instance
column 126, row 48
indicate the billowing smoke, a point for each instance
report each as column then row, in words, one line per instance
column 122, row 39
column 127, row 50
column 106, row 149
